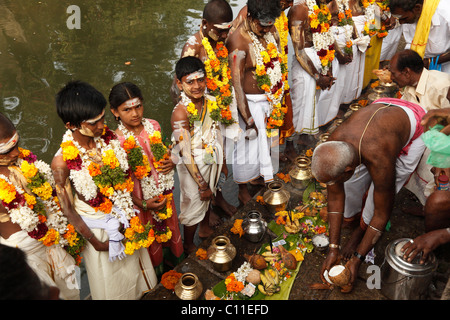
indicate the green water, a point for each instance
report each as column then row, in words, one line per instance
column 39, row 54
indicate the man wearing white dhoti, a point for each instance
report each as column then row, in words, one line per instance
column 92, row 164
column 259, row 80
column 199, row 146
column 313, row 68
column 375, row 151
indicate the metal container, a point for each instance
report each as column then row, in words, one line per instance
column 301, row 174
column 352, row 109
column 254, row 226
column 188, row 287
column 390, row 89
column 403, row 280
column 378, row 93
column 276, row 198
column 221, row 253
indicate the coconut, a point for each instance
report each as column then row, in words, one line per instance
column 256, row 261
column 254, row 277
column 339, row 275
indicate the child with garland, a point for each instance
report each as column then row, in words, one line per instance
column 30, row 219
column 149, row 159
column 199, row 145
column 94, row 187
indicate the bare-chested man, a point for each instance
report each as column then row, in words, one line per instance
column 252, row 158
column 374, row 150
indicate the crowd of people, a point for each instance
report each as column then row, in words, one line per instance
column 108, row 195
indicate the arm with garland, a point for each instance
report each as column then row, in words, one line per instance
column 182, row 136
column 298, row 25
column 64, row 192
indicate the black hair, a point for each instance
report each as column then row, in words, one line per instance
column 264, row 9
column 17, row 280
column 79, row 101
column 409, row 59
column 406, row 5
column 218, row 11
column 188, row 65
column 6, row 127
column 122, row 92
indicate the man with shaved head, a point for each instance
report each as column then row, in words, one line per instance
column 373, row 151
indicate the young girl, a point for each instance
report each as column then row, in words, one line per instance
column 153, row 173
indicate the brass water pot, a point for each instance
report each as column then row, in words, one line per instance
column 301, row 173
column 352, row 109
column 188, row 287
column 221, row 253
column 276, row 198
column 378, row 93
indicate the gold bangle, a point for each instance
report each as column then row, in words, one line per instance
column 334, row 246
column 336, row 212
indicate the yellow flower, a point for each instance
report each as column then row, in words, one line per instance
column 30, row 199
column 50, row 238
column 44, row 191
column 156, row 137
column 29, row 170
column 191, row 109
column 70, row 152
column 260, row 70
column 7, row 191
column 265, row 56
column 109, row 159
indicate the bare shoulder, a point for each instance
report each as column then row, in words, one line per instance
column 192, row 47
column 298, row 12
column 179, row 116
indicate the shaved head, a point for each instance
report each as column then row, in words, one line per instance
column 6, row 127
column 330, row 160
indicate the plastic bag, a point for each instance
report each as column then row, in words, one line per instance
column 439, row 145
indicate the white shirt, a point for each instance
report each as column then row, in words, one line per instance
column 439, row 36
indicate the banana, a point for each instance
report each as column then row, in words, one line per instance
column 262, row 289
column 269, row 277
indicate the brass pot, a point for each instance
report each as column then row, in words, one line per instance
column 378, row 93
column 390, row 89
column 276, row 198
column 352, row 109
column 323, row 138
column 335, row 124
column 301, row 173
column 188, row 287
column 221, row 253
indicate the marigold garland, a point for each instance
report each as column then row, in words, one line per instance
column 218, row 81
column 39, row 213
column 271, row 76
column 323, row 39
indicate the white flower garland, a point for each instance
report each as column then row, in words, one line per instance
column 211, row 142
column 275, row 74
column 321, row 40
column 150, row 188
column 85, row 185
column 348, row 28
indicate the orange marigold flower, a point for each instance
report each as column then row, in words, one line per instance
column 201, row 254
column 170, row 279
column 237, row 227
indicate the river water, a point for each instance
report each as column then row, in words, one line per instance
column 130, row 40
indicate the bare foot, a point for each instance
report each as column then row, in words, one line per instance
column 220, row 201
column 258, row 182
column 214, row 220
column 352, row 244
column 188, row 249
column 204, row 231
column 289, row 154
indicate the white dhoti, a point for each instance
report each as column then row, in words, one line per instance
column 252, row 158
column 422, row 182
column 354, row 71
column 360, row 182
column 312, row 108
column 127, row 278
column 192, row 208
column 390, row 43
column 53, row 265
